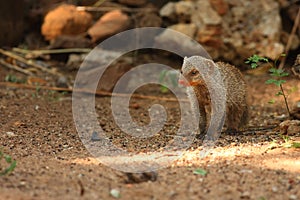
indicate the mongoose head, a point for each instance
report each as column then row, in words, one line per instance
column 190, row 75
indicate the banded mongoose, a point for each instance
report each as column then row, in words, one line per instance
column 235, row 87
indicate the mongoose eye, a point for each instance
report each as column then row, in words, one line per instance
column 194, row 72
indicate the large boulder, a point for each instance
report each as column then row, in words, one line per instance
column 65, row 20
column 109, row 24
column 231, row 30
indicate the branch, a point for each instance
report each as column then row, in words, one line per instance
column 36, row 53
column 106, row 9
column 14, row 67
column 290, row 40
column 27, row 62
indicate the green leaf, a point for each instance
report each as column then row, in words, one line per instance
column 272, row 101
column 279, row 93
column 276, row 82
column 285, row 138
column 284, row 74
column 293, row 89
column 271, row 81
column 162, row 76
column 279, row 82
column 278, row 72
column 7, row 158
column 253, row 65
column 115, row 193
column 273, row 70
column 253, row 60
column 295, row 145
column 164, row 89
column 174, row 79
column 9, row 169
column 200, row 172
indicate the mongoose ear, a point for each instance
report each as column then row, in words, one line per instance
column 211, row 67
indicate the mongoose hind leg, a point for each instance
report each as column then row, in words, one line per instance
column 234, row 117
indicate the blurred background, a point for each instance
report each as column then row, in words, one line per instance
column 230, row 31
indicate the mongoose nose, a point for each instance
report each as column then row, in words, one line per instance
column 183, row 82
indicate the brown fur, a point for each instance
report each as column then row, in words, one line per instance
column 236, row 100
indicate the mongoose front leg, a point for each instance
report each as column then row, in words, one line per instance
column 202, row 120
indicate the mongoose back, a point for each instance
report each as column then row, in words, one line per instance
column 235, row 86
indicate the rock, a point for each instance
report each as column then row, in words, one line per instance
column 62, row 82
column 205, row 13
column 251, row 27
column 109, row 24
column 147, row 19
column 272, row 50
column 296, row 72
column 183, row 10
column 220, row 6
column 295, row 113
column 136, row 3
column 10, row 134
column 168, row 11
column 134, row 178
column 290, row 127
column 170, row 39
column 210, row 36
column 66, row 41
column 65, row 20
column 187, row 29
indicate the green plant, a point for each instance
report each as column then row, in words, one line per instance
column 200, row 172
column 287, row 143
column 168, row 76
column 37, row 91
column 13, row 79
column 54, row 95
column 276, row 74
column 8, row 160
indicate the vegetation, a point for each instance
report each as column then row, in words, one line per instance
column 276, row 74
column 12, row 163
column 168, row 76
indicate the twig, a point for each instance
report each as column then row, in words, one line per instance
column 36, row 53
column 87, row 91
column 27, row 62
column 106, row 9
column 285, row 100
column 260, row 128
column 14, row 67
column 290, row 39
column 98, row 3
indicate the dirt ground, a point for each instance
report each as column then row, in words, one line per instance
column 38, row 131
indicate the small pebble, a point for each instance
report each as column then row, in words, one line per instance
column 115, row 193
column 245, row 194
column 293, row 197
column 11, row 134
column 36, row 107
column 274, row 189
column 62, row 82
column 22, row 183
